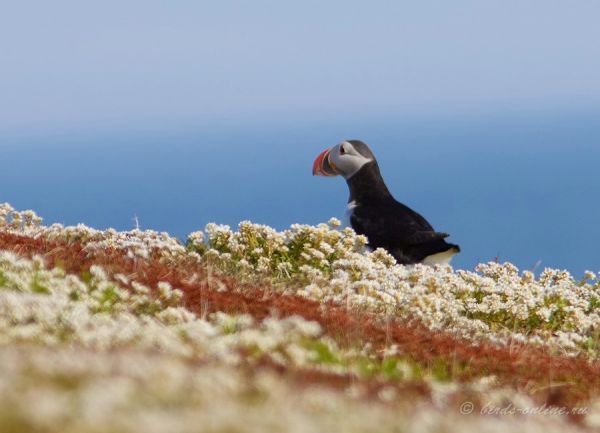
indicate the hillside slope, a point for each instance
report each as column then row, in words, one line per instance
column 302, row 330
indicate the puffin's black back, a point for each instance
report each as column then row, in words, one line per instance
column 387, row 223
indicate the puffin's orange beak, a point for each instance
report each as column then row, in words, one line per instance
column 322, row 166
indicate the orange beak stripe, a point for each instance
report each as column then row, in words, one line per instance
column 322, row 166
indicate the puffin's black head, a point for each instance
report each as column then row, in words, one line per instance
column 344, row 159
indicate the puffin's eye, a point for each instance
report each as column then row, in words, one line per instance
column 342, row 150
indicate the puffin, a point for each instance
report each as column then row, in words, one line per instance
column 376, row 214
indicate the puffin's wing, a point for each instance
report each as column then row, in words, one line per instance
column 406, row 235
column 421, row 237
column 388, row 226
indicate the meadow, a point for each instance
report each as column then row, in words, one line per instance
column 302, row 330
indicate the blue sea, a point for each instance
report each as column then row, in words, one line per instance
column 523, row 188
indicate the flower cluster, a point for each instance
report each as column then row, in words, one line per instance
column 495, row 302
column 67, row 389
column 303, row 251
column 18, row 220
column 53, row 308
column 101, row 351
column 138, row 243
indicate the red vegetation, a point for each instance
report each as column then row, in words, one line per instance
column 549, row 378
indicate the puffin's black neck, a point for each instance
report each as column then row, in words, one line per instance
column 367, row 185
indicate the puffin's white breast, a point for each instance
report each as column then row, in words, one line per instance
column 442, row 258
column 349, row 210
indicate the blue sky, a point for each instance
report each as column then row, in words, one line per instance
column 86, row 66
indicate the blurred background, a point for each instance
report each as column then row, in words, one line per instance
column 485, row 116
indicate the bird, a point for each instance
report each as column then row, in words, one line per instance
column 376, row 214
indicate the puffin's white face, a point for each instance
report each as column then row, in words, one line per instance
column 343, row 159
